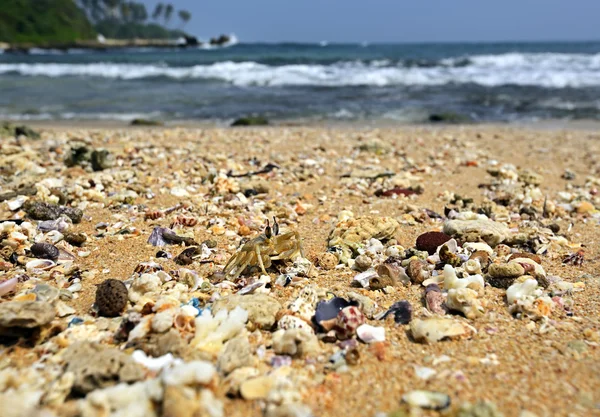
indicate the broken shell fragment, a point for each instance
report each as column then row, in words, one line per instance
column 402, row 311
column 370, row 334
column 465, row 300
column 434, row 329
column 429, row 400
column 434, row 299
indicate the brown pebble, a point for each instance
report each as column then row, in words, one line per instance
column 417, row 271
column 430, row 241
column 379, row 283
column 111, row 298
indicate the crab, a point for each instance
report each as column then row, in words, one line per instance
column 576, row 258
column 263, row 249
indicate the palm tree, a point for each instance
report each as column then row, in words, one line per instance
column 138, row 12
column 168, row 12
column 185, row 16
column 158, row 11
column 126, row 11
column 112, row 6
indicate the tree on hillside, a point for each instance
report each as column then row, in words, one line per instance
column 126, row 12
column 112, row 6
column 168, row 13
column 185, row 17
column 139, row 13
column 158, row 11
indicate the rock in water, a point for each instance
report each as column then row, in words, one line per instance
column 111, row 298
column 261, row 308
column 251, row 121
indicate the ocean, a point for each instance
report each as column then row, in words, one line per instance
column 397, row 82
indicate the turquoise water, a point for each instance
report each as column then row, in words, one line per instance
column 401, row 82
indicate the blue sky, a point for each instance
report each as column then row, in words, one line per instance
column 393, row 20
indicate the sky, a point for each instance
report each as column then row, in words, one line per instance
column 392, row 20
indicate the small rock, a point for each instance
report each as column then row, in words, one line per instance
column 585, row 207
column 429, row 400
column 256, row 388
column 417, row 271
column 578, row 346
column 295, row 342
column 430, row 241
column 237, row 353
column 489, row 231
column 362, row 262
column 101, row 159
column 22, row 318
column 433, row 330
column 370, row 334
column 503, row 275
column 480, row 409
column 45, row 211
column 75, row 239
column 146, row 122
column 97, row 366
column 111, row 298
column 251, row 121
column 262, row 309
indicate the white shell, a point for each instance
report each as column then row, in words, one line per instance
column 39, row 264
column 17, row 203
column 465, row 300
column 518, row 291
column 370, row 334
column 475, row 282
column 435, row 329
column 427, row 399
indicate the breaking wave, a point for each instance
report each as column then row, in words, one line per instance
column 547, row 70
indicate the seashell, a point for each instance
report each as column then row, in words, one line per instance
column 465, row 300
column 147, row 267
column 5, row 266
column 61, row 224
column 502, row 250
column 328, row 260
column 186, row 221
column 362, row 263
column 39, row 265
column 417, row 271
column 449, row 257
column 394, row 270
column 63, row 310
column 472, row 267
column 379, row 283
column 153, row 214
column 250, row 288
column 17, row 203
column 434, row 299
column 327, row 310
column 365, row 277
column 370, row 334
column 293, row 322
column 54, row 236
column 402, row 311
column 8, row 285
column 482, row 257
column 75, row 239
column 141, row 329
column 111, row 298
column 474, row 247
column 429, row 400
column 189, row 278
column 435, row 329
column 184, row 323
column 348, row 320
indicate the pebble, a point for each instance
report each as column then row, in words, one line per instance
column 429, row 400
column 262, row 309
column 256, row 388
column 430, row 241
column 111, row 298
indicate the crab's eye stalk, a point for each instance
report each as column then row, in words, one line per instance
column 268, row 230
column 275, row 226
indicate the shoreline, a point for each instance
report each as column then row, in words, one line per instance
column 549, row 124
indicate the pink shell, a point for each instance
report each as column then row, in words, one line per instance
column 348, row 320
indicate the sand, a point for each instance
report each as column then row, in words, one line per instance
column 507, row 362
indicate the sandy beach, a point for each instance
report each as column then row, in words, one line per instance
column 420, row 177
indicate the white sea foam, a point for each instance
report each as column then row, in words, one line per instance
column 543, row 70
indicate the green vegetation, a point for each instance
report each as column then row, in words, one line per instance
column 43, row 22
column 60, row 22
column 120, row 19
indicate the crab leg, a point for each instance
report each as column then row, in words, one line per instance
column 243, row 266
column 260, row 261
